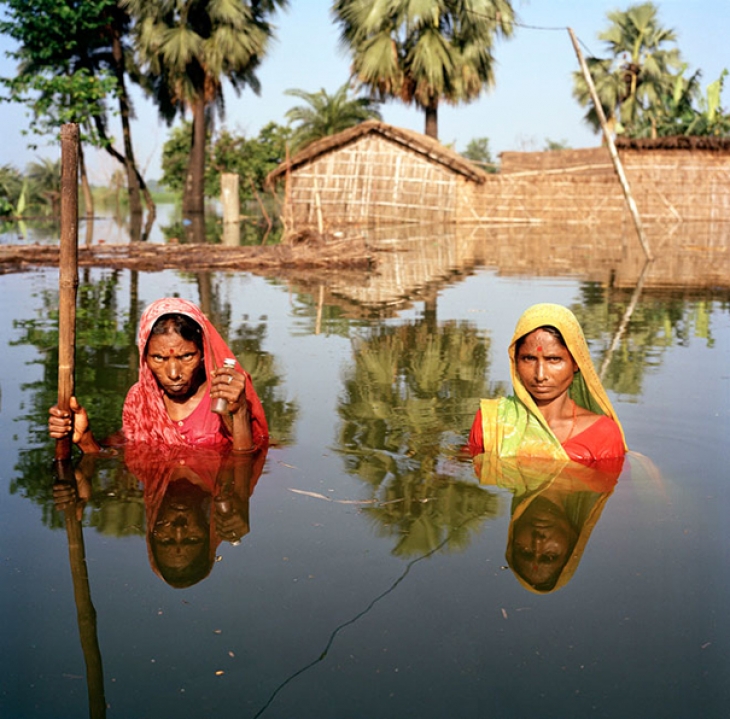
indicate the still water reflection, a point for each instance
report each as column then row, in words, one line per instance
column 363, row 568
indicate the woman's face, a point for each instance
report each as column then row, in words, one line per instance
column 542, row 542
column 544, row 366
column 176, row 363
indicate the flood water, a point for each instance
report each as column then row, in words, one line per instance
column 373, row 579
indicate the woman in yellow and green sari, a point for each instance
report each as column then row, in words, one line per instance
column 559, row 409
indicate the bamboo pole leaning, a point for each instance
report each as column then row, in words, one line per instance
column 612, row 148
column 67, row 275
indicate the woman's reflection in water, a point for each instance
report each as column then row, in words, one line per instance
column 194, row 500
column 555, row 508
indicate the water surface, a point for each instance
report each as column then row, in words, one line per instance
column 373, row 581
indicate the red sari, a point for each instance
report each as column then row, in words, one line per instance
column 600, row 442
column 144, row 416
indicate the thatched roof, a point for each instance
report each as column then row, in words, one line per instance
column 676, row 142
column 412, row 141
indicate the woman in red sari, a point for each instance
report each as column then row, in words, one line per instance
column 181, row 373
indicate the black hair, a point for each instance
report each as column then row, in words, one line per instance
column 554, row 331
column 182, row 325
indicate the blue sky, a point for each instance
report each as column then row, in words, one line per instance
column 532, row 99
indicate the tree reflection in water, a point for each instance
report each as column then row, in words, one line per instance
column 407, row 400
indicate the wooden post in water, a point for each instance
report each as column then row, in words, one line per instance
column 229, row 198
column 231, row 204
column 611, row 147
column 68, row 279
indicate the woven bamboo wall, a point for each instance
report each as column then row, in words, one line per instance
column 592, row 161
column 581, row 186
column 684, row 185
column 372, row 182
column 546, row 199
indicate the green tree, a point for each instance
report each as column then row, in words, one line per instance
column 176, row 155
column 71, row 60
column 187, row 48
column 326, row 114
column 478, row 151
column 639, row 73
column 710, row 118
column 251, row 159
column 11, row 190
column 424, row 52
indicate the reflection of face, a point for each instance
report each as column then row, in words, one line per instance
column 544, row 366
column 542, row 541
column 176, row 363
column 181, row 529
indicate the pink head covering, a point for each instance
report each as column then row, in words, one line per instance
column 144, row 417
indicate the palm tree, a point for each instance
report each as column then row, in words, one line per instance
column 326, row 114
column 11, row 190
column 638, row 75
column 187, row 48
column 423, row 52
column 44, row 180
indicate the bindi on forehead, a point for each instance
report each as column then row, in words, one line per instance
column 539, row 348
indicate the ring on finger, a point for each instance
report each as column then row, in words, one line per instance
column 230, row 378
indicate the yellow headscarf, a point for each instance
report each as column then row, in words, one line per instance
column 514, row 425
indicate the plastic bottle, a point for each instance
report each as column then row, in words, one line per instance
column 220, row 404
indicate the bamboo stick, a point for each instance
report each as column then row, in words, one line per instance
column 68, row 275
column 611, row 147
column 85, row 615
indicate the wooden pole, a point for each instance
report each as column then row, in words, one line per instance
column 230, row 199
column 85, row 615
column 611, row 147
column 68, row 279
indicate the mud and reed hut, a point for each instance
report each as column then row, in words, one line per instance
column 374, row 174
